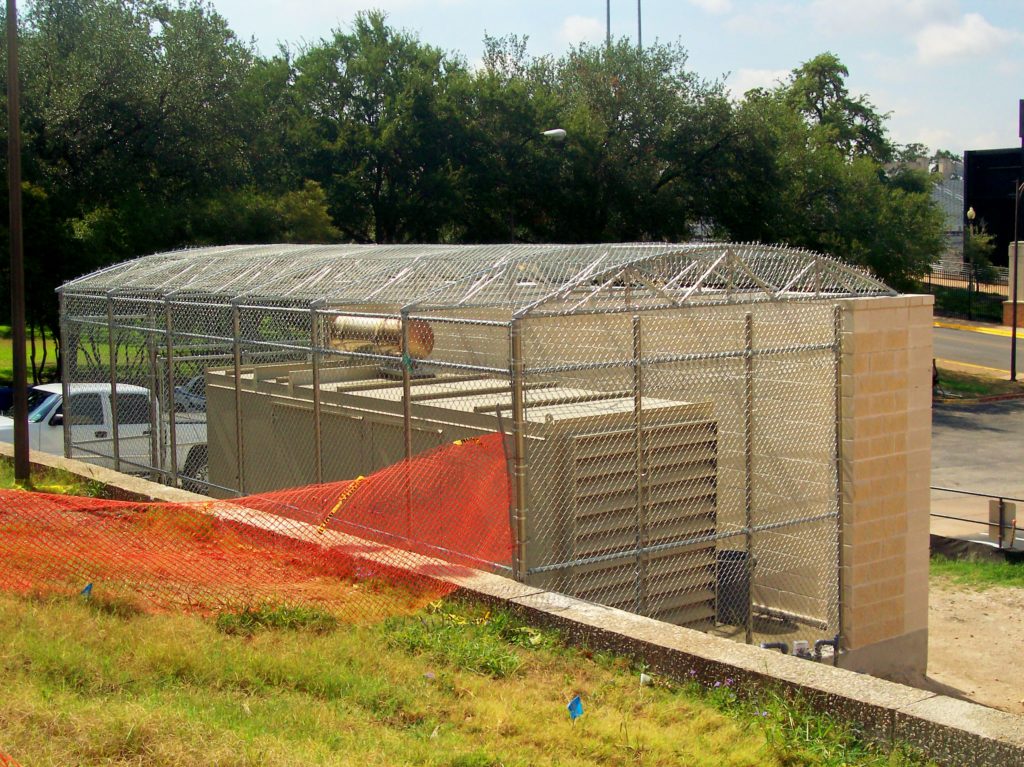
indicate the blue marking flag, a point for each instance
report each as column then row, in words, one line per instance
column 87, row 591
column 575, row 708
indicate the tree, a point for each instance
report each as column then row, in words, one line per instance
column 817, row 90
column 813, row 172
column 381, row 121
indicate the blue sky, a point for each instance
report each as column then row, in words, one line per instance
column 949, row 72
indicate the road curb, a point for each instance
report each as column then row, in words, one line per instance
column 976, row 400
column 993, row 330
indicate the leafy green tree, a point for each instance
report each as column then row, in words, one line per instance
column 817, row 90
column 647, row 135
column 813, row 170
column 381, row 121
column 979, row 247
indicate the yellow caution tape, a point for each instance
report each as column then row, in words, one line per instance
column 341, row 501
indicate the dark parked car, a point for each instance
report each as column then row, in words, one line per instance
column 191, row 397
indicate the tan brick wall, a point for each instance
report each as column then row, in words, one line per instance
column 886, row 471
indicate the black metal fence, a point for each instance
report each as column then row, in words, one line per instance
column 968, row 291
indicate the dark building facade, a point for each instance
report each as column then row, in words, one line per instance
column 991, row 177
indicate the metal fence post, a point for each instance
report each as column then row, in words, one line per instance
column 519, row 563
column 236, row 330
column 154, row 411
column 172, row 422
column 112, row 356
column 407, row 419
column 66, row 368
column 638, row 452
column 406, row 387
column 748, row 467
column 317, row 343
column 840, row 538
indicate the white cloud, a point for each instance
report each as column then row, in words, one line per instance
column 743, row 80
column 764, row 20
column 582, row 29
column 713, row 6
column 972, row 35
column 877, row 16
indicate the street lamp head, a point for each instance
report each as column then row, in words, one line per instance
column 555, row 134
column 971, row 214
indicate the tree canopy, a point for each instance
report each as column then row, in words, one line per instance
column 149, row 125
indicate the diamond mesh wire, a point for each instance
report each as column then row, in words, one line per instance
column 669, row 411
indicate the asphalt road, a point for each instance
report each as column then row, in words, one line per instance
column 979, row 447
column 981, row 349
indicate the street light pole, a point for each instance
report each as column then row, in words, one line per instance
column 21, row 464
column 1016, row 280
column 968, row 236
column 1016, row 239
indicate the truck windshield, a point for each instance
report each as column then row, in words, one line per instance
column 39, row 404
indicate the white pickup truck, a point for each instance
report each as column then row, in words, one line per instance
column 91, row 418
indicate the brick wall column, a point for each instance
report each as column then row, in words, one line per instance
column 886, row 473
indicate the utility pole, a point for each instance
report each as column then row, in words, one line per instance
column 608, row 23
column 639, row 28
column 21, row 465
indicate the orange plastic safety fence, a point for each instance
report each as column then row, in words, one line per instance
column 362, row 549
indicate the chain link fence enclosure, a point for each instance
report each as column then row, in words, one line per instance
column 670, row 412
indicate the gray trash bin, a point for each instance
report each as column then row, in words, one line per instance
column 732, row 604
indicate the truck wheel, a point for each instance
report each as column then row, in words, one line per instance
column 197, row 470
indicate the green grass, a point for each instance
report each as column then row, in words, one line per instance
column 969, row 385
column 978, row 573
column 456, row 685
column 7, row 359
column 52, row 481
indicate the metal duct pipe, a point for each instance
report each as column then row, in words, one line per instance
column 383, row 335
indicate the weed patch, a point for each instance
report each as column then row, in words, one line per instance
column 250, row 620
column 469, row 640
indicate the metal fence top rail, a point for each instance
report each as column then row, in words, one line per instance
column 514, row 278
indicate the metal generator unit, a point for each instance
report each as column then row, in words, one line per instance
column 613, row 537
